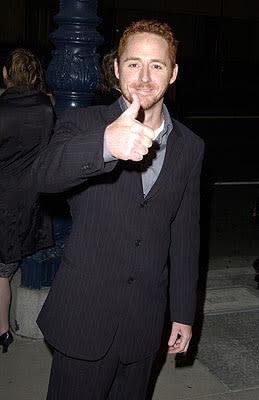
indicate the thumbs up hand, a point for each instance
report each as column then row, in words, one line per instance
column 126, row 138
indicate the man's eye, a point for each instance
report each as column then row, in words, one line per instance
column 133, row 65
column 156, row 66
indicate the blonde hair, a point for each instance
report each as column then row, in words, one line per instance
column 150, row 26
column 24, row 70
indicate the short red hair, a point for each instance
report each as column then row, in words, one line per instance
column 150, row 26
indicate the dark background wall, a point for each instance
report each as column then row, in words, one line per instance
column 218, row 59
column 218, row 52
column 27, row 23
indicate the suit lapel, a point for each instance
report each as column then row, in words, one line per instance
column 174, row 148
column 113, row 111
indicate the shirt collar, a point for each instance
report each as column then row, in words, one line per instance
column 168, row 125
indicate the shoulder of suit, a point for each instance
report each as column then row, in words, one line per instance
column 86, row 119
column 187, row 134
column 96, row 111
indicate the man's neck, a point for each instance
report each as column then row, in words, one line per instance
column 153, row 117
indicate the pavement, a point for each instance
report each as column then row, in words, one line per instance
column 223, row 361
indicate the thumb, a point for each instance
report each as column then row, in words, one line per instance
column 133, row 109
column 173, row 337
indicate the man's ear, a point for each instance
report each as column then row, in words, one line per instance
column 174, row 74
column 116, row 68
column 4, row 73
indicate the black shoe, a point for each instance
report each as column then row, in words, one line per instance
column 5, row 340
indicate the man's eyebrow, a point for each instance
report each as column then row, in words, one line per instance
column 159, row 61
column 139, row 59
column 132, row 59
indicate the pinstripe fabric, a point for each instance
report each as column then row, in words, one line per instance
column 108, row 378
column 114, row 271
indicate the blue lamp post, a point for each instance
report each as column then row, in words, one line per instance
column 73, row 72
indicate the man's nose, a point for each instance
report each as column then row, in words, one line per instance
column 145, row 74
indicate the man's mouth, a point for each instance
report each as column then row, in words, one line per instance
column 144, row 90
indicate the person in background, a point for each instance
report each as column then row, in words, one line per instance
column 109, row 90
column 26, row 123
column 133, row 175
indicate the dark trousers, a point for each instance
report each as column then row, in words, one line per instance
column 105, row 379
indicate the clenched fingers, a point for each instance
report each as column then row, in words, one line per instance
column 146, row 141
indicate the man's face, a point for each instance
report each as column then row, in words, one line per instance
column 145, row 69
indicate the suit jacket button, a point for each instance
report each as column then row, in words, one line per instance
column 137, row 243
column 130, row 280
column 87, row 166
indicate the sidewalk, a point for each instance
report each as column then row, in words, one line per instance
column 226, row 366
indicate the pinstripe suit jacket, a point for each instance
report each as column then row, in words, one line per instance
column 114, row 273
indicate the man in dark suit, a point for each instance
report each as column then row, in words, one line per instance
column 132, row 177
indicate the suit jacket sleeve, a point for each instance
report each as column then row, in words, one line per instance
column 184, row 250
column 74, row 154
